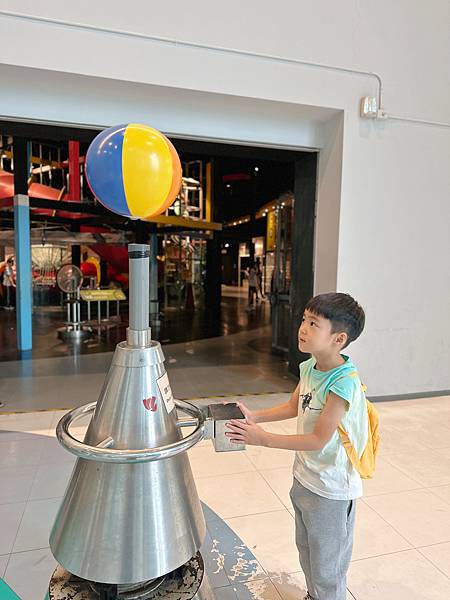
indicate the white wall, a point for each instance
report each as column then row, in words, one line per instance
column 383, row 190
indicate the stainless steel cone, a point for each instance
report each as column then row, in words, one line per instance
column 127, row 523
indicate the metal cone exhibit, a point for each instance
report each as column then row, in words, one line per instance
column 131, row 512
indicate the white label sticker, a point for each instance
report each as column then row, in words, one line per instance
column 166, row 392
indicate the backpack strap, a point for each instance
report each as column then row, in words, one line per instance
column 349, row 448
column 345, row 440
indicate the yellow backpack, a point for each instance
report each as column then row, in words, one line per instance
column 364, row 464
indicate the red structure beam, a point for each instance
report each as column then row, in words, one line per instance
column 74, row 171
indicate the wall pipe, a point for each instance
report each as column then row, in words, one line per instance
column 222, row 50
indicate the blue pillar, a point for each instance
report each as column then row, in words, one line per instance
column 23, row 271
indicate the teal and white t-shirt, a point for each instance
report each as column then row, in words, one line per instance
column 328, row 472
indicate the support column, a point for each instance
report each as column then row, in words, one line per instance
column 24, row 297
column 154, row 304
column 75, row 248
column 24, row 293
column 103, row 273
column 213, row 291
column 251, row 245
column 142, row 234
column 74, row 171
column 75, row 192
column 302, row 284
column 213, row 279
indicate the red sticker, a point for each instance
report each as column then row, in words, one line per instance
column 150, row 403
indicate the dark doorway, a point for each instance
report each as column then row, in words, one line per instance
column 247, row 183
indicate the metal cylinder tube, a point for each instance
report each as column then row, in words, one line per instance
column 139, row 257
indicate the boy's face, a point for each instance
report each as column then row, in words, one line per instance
column 315, row 335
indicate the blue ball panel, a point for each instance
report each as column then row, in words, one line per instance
column 104, row 169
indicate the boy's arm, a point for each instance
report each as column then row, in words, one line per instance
column 277, row 413
column 328, row 422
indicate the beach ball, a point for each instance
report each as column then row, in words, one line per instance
column 133, row 170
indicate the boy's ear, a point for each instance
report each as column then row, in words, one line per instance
column 341, row 338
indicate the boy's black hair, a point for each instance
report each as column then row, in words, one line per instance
column 342, row 310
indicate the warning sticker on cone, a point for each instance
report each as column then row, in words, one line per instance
column 166, row 392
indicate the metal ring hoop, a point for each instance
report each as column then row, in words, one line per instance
column 125, row 456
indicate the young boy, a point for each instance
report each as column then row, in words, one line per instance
column 325, row 483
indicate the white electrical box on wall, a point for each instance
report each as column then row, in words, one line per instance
column 369, row 107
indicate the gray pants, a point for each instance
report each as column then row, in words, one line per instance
column 324, row 538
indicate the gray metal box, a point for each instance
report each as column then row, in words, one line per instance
column 220, row 415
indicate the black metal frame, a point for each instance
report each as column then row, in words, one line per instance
column 302, row 249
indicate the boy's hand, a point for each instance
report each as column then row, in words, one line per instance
column 246, row 432
column 243, row 432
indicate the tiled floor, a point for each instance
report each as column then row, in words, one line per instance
column 234, row 364
column 402, row 543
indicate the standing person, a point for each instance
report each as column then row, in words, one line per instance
column 9, row 282
column 326, row 484
column 252, row 286
column 259, row 274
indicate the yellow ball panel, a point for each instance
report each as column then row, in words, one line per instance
column 176, row 179
column 147, row 168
